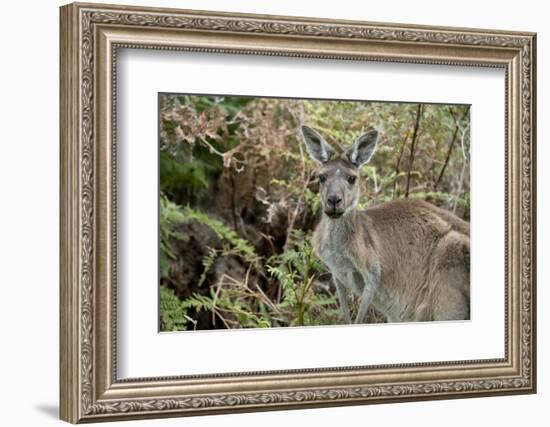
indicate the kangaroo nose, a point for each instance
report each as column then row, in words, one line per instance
column 334, row 201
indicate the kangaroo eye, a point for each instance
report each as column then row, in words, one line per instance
column 351, row 179
column 322, row 178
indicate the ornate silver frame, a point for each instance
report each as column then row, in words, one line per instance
column 90, row 36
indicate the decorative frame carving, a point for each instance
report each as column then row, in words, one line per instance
column 90, row 36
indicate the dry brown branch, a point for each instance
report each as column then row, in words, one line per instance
column 305, row 183
column 463, row 171
column 413, row 142
column 397, row 170
column 451, row 145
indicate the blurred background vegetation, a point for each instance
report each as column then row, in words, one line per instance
column 238, row 199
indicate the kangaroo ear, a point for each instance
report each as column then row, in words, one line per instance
column 317, row 147
column 363, row 148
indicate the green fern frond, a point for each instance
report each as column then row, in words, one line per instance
column 173, row 314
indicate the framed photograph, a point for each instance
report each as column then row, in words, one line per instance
column 267, row 212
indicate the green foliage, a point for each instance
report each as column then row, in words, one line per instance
column 199, row 302
column 296, row 270
column 193, row 174
column 195, row 131
column 312, row 199
column 170, row 217
column 173, row 314
column 207, row 262
column 237, row 245
column 228, row 307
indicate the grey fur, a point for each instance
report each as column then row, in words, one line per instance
column 317, row 147
column 363, row 149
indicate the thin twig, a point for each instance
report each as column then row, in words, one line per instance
column 413, row 142
column 266, row 299
column 397, row 170
column 193, row 321
column 461, row 181
column 451, row 145
column 305, row 183
column 215, row 299
column 228, row 155
column 233, row 204
column 226, row 322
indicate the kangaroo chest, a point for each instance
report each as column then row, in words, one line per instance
column 335, row 253
column 336, row 246
column 337, row 259
column 350, row 268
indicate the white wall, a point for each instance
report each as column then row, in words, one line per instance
column 29, row 170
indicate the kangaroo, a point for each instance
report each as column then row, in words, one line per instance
column 409, row 259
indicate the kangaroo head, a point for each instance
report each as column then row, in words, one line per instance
column 338, row 173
